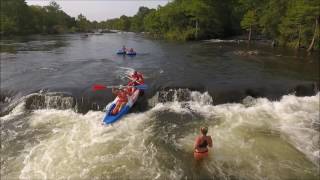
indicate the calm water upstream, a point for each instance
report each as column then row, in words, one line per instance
column 261, row 106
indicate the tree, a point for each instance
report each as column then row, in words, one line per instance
column 292, row 23
column 7, row 25
column 82, row 23
column 299, row 26
column 138, row 19
column 314, row 10
column 249, row 21
column 124, row 23
column 38, row 18
column 53, row 7
column 152, row 24
column 252, row 9
column 272, row 13
column 15, row 17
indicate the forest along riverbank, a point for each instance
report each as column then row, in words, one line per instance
column 181, row 20
column 262, row 102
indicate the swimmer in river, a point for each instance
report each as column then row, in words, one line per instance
column 201, row 144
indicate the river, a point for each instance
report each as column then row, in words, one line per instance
column 261, row 106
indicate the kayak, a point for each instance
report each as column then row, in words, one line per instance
column 110, row 118
column 121, row 52
column 131, row 53
column 126, row 53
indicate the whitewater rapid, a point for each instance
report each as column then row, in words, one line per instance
column 256, row 139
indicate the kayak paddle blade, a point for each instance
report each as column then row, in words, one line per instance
column 142, row 86
column 97, row 87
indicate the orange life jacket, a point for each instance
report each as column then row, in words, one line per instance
column 122, row 96
column 130, row 90
column 138, row 78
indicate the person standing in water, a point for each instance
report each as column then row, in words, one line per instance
column 201, row 144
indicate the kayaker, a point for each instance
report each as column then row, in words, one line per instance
column 124, row 49
column 131, row 50
column 137, row 78
column 201, row 144
column 130, row 90
column 123, row 99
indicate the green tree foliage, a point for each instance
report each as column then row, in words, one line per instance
column 137, row 21
column 82, row 23
column 272, row 13
column 19, row 18
column 193, row 19
column 152, row 23
column 123, row 23
column 38, row 19
column 55, row 19
column 299, row 25
column 15, row 16
column 185, row 20
column 249, row 22
column 252, row 10
column 8, row 25
column 291, row 23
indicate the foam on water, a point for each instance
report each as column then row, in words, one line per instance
column 255, row 140
column 263, row 134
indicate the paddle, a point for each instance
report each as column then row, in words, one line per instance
column 131, row 79
column 97, row 87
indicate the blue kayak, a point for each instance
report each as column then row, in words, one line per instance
column 121, row 52
column 110, row 118
column 131, row 53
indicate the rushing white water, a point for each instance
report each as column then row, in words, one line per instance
column 258, row 139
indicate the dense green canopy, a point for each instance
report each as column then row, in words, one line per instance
column 294, row 23
column 19, row 18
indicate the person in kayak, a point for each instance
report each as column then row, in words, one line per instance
column 130, row 90
column 201, row 144
column 137, row 78
column 131, row 50
column 124, row 49
column 123, row 99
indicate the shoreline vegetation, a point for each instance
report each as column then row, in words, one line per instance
column 292, row 23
